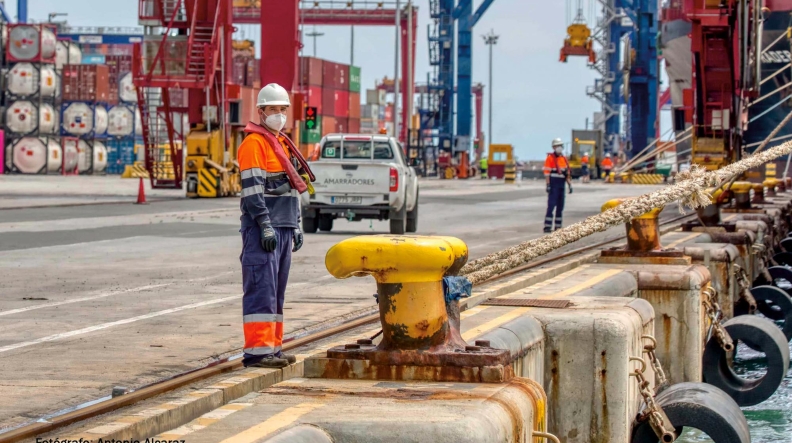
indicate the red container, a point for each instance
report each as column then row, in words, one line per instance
column 312, row 71
column 328, row 102
column 238, row 71
column 336, row 76
column 86, row 83
column 389, row 113
column 328, row 125
column 342, row 103
column 354, row 126
column 118, row 66
column 313, row 97
column 252, row 77
column 248, row 97
column 342, row 125
column 354, row 105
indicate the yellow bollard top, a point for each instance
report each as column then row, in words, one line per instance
column 610, row 204
column 741, row 187
column 714, row 194
column 396, row 259
column 757, row 187
column 770, row 183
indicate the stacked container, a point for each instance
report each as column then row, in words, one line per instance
column 84, row 118
column 372, row 117
column 245, row 65
column 31, row 94
column 123, row 117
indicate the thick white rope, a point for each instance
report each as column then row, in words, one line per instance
column 689, row 190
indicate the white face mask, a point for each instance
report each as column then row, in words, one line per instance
column 559, row 150
column 275, row 121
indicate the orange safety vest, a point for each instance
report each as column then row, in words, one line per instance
column 585, row 160
column 607, row 163
column 556, row 167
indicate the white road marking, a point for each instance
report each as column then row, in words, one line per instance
column 108, row 294
column 116, row 323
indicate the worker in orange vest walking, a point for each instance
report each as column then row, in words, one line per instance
column 607, row 165
column 273, row 174
column 557, row 176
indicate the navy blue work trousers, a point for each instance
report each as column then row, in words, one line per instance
column 264, row 279
column 555, row 202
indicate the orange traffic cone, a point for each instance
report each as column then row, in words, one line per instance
column 141, row 200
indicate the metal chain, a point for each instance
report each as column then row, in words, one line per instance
column 649, row 350
column 653, row 412
column 714, row 313
column 745, row 287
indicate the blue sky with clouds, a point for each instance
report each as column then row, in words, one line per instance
column 536, row 98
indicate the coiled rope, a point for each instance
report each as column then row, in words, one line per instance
column 689, row 190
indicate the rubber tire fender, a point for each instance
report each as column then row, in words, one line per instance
column 770, row 297
column 786, row 244
column 779, row 272
column 700, row 406
column 760, row 334
column 783, row 258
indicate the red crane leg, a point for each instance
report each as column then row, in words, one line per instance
column 279, row 43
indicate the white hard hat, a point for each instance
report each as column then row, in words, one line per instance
column 607, row 155
column 557, row 142
column 273, row 95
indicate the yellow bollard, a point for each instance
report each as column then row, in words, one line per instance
column 643, row 232
column 742, row 194
column 770, row 184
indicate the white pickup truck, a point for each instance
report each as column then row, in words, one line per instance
column 361, row 177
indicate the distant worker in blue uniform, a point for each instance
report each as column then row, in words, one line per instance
column 273, row 173
column 557, row 176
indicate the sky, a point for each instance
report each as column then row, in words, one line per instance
column 536, row 98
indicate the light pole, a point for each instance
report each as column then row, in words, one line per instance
column 490, row 40
column 314, row 34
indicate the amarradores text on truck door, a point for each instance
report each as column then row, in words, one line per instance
column 361, row 177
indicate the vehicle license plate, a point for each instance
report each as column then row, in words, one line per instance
column 346, row 200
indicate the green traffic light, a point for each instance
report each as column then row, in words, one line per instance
column 309, row 124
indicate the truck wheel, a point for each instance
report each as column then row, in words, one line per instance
column 398, row 224
column 326, row 223
column 310, row 225
column 412, row 218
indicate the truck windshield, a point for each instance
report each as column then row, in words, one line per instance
column 357, row 149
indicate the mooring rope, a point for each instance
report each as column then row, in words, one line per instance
column 689, row 190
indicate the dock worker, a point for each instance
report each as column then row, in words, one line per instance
column 273, row 174
column 557, row 176
column 607, row 165
column 483, row 166
column 584, row 168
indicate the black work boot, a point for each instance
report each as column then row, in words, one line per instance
column 269, row 361
column 288, row 357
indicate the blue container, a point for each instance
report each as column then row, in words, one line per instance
column 93, row 59
column 120, row 153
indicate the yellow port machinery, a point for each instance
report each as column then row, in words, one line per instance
column 211, row 169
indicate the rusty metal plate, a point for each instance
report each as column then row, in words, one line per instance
column 528, row 303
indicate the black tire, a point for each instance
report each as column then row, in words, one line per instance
column 412, row 217
column 398, row 224
column 700, row 406
column 760, row 334
column 786, row 244
column 310, row 225
column 325, row 223
column 783, row 258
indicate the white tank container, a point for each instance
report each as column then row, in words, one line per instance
column 99, row 156
column 126, row 89
column 84, row 156
column 22, row 118
column 31, row 42
column 80, row 119
column 67, row 53
column 32, row 154
column 138, row 123
column 71, row 154
column 121, row 121
column 25, row 80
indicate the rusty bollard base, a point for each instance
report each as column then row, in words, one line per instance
column 420, row 337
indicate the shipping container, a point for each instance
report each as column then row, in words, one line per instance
column 354, row 126
column 86, row 83
column 118, row 66
column 248, row 97
column 354, row 80
column 375, row 96
column 336, row 76
column 238, row 71
column 341, row 103
column 328, row 102
column 107, row 48
column 253, row 77
column 311, row 69
column 388, row 114
column 93, row 59
column 314, row 98
column 342, row 125
column 311, row 135
column 328, row 74
column 354, row 105
column 370, row 111
column 328, row 125
column 120, row 153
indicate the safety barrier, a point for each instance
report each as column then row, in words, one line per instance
column 136, row 170
column 646, row 179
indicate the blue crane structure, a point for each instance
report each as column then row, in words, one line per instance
column 637, row 22
column 22, row 12
column 438, row 116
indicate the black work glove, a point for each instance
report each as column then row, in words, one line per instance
column 269, row 242
column 298, row 239
column 548, row 189
column 570, row 189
